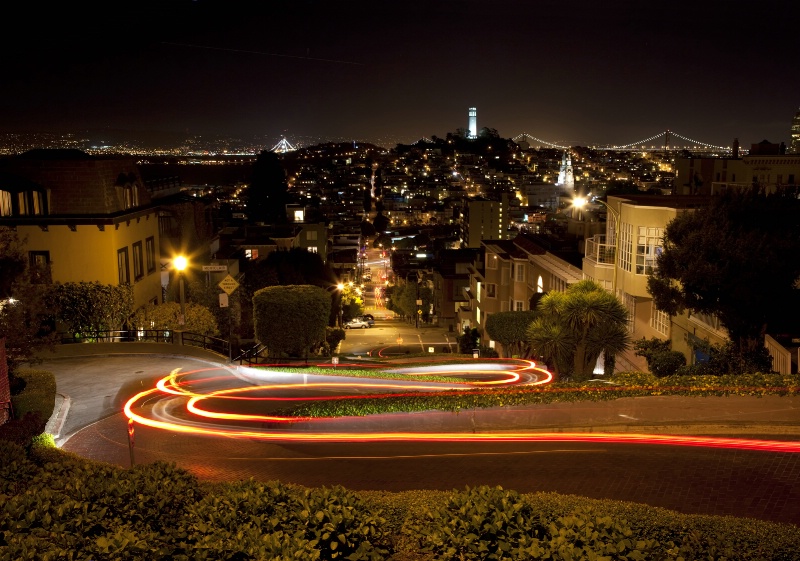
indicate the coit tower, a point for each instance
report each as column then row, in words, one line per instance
column 473, row 122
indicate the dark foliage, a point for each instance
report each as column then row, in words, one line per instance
column 21, row 431
column 732, row 259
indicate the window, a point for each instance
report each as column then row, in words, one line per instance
column 39, row 262
column 150, row 252
column 251, row 253
column 540, row 285
column 30, row 202
column 311, row 235
column 520, row 273
column 491, row 261
column 5, row 204
column 491, row 290
column 648, row 248
column 519, row 306
column 313, row 249
column 625, row 246
column 659, row 320
column 122, row 266
column 138, row 261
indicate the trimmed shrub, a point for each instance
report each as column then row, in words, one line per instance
column 39, row 394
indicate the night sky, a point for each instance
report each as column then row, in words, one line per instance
column 573, row 73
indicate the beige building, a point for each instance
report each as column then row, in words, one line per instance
column 767, row 165
column 509, row 275
column 84, row 218
column 485, row 219
column 640, row 221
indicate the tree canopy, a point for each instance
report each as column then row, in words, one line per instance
column 291, row 320
column 267, row 194
column 574, row 327
column 510, row 329
column 735, row 259
column 24, row 315
column 86, row 307
column 199, row 318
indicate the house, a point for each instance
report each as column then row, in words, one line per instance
column 84, row 218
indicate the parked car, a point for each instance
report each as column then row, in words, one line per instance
column 357, row 323
column 368, row 318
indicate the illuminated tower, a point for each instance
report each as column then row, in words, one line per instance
column 473, row 122
column 795, row 148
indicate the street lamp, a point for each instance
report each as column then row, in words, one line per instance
column 179, row 263
column 580, row 202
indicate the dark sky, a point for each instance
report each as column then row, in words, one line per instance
column 581, row 72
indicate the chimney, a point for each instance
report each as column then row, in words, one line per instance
column 735, row 148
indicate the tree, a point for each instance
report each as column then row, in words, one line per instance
column 199, row 318
column 510, row 329
column 282, row 267
column 24, row 316
column 380, row 222
column 87, row 308
column 351, row 301
column 733, row 259
column 267, row 194
column 291, row 320
column 575, row 326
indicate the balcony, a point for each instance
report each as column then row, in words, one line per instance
column 598, row 251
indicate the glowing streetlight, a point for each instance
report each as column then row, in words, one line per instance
column 180, row 263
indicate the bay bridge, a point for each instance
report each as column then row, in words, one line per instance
column 667, row 143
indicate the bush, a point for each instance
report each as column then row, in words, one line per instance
column 38, row 396
column 666, row 363
column 22, row 430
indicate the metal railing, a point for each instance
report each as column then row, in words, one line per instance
column 599, row 251
column 214, row 344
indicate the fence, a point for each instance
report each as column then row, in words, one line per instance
column 214, row 344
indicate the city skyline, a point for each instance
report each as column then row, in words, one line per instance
column 580, row 74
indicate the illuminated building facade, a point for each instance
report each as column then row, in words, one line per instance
column 795, row 147
column 84, row 218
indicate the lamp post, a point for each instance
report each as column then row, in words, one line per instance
column 580, row 202
column 340, row 288
column 179, row 263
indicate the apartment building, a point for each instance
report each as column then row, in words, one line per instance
column 508, row 276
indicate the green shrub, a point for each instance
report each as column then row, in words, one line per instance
column 480, row 523
column 39, row 394
column 304, row 523
column 22, row 431
column 666, row 363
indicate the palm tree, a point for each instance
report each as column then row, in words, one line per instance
column 576, row 326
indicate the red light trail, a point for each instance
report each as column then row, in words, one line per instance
column 181, row 392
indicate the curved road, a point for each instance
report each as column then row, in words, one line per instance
column 749, row 483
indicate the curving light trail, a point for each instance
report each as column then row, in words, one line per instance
column 182, row 405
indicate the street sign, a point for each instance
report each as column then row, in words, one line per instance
column 223, row 300
column 228, row 284
column 215, row 268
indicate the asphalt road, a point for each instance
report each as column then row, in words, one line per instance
column 746, row 483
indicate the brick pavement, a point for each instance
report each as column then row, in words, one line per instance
column 762, row 485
